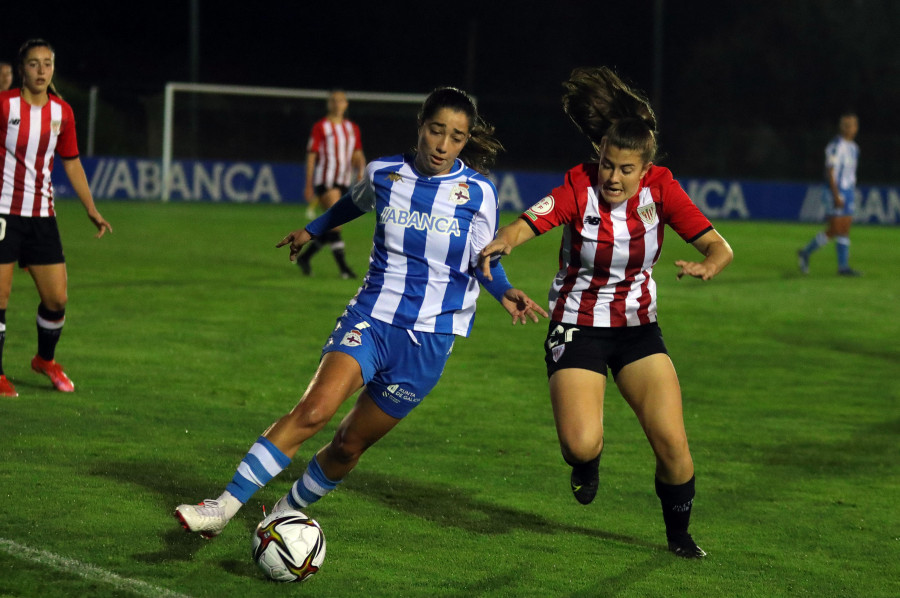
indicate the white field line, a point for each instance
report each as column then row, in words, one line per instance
column 85, row 570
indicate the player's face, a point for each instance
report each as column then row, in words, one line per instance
column 37, row 70
column 441, row 138
column 621, row 171
column 5, row 77
column 337, row 104
column 849, row 127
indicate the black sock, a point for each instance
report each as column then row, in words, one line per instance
column 49, row 327
column 676, row 501
column 336, row 243
column 310, row 250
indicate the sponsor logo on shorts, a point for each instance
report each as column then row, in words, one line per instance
column 397, row 394
column 352, row 338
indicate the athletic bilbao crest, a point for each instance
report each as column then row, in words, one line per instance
column 55, row 126
column 557, row 352
column 460, row 193
column 647, row 213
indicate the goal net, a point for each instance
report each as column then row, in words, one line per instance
column 266, row 124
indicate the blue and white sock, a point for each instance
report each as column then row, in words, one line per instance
column 311, row 487
column 820, row 240
column 843, row 252
column 263, row 462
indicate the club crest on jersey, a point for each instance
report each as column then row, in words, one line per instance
column 647, row 213
column 352, row 339
column 55, row 126
column 394, row 177
column 541, row 208
column 460, row 193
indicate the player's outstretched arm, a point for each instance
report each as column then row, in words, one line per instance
column 507, row 238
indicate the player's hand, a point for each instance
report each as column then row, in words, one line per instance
column 521, row 307
column 297, row 240
column 101, row 224
column 695, row 269
column 495, row 248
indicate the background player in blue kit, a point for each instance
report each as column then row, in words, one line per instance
column 435, row 212
column 841, row 158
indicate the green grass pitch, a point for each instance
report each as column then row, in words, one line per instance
column 188, row 333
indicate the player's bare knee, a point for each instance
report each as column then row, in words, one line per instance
column 581, row 449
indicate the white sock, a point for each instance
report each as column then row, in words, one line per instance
column 229, row 503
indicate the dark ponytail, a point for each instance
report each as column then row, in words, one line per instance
column 480, row 152
column 602, row 106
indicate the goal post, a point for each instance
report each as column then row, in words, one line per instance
column 173, row 88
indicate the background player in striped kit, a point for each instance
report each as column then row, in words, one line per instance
column 6, row 76
column 603, row 299
column 334, row 153
column 841, row 158
column 34, row 123
column 435, row 211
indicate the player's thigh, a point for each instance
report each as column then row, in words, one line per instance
column 51, row 281
column 577, row 399
column 650, row 386
column 330, row 197
column 842, row 225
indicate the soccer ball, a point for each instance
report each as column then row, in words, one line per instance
column 288, row 546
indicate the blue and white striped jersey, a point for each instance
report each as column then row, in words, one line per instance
column 842, row 155
column 428, row 235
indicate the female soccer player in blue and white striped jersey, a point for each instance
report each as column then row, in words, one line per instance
column 435, row 212
column 841, row 158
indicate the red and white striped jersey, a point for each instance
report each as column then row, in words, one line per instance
column 30, row 136
column 608, row 252
column 334, row 144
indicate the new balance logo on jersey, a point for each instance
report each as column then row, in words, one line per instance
column 15, row 121
column 419, row 221
column 592, row 220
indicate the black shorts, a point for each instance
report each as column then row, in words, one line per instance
column 596, row 349
column 321, row 189
column 30, row 241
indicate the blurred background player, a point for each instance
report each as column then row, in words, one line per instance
column 603, row 299
column 6, row 76
column 841, row 158
column 334, row 155
column 34, row 123
column 395, row 337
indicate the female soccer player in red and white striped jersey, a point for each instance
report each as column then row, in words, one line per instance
column 35, row 123
column 334, row 153
column 603, row 299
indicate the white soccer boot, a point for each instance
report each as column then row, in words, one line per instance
column 208, row 518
